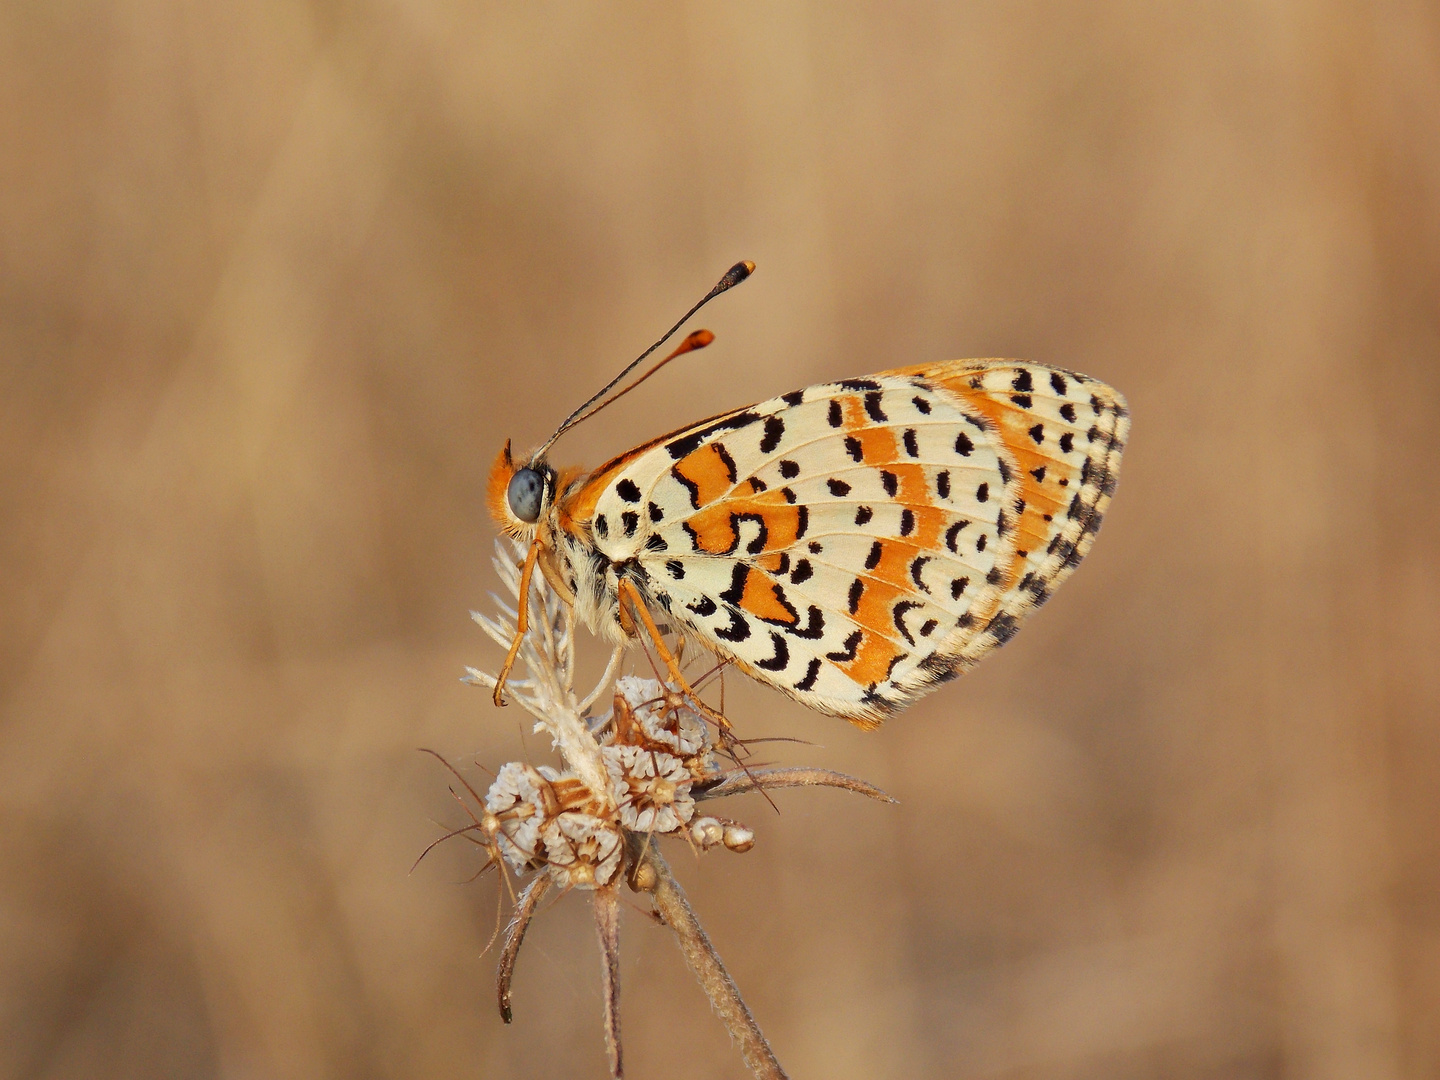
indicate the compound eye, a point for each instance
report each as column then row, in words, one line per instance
column 526, row 492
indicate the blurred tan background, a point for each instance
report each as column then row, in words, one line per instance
column 277, row 280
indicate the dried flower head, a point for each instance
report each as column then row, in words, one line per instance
column 582, row 850
column 517, row 801
column 628, row 777
column 651, row 788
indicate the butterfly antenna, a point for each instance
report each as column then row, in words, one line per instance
column 736, row 274
column 698, row 340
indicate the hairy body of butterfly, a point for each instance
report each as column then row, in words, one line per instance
column 853, row 543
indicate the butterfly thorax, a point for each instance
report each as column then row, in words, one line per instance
column 576, row 567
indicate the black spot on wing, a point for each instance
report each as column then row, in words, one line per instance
column 738, row 573
column 811, row 674
column 795, row 397
column 675, row 568
column 656, row 542
column 703, row 607
column 687, row 444
column 1067, row 442
column 601, row 526
column 727, row 461
column 774, row 429
column 757, row 545
column 907, row 521
column 838, row 488
column 1068, row 412
column 627, row 490
column 789, row 469
column 957, row 586
column 847, row 651
column 891, row 482
column 863, row 515
column 781, row 660
column 912, row 445
column 1057, row 382
column 1038, row 433
column 872, row 560
column 873, row 409
column 952, row 535
column 656, row 514
column 942, row 485
column 1003, row 627
column 915, row 567
column 939, row 669
column 982, row 493
column 898, row 617
column 802, row 572
column 1022, row 382
column 690, row 485
column 630, row 521
column 854, row 448
column 814, row 628
column 738, row 630
column 921, row 405
column 963, row 445
column 857, row 588
column 836, row 417
column 859, row 384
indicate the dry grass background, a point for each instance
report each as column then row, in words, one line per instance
column 279, row 278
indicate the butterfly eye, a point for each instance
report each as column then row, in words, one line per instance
column 526, row 492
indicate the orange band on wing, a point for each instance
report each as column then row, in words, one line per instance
column 1012, row 423
column 708, row 473
column 873, row 660
column 762, row 599
column 715, row 528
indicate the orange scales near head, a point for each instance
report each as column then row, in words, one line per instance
column 852, row 544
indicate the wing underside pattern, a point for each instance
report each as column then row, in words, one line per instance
column 857, row 542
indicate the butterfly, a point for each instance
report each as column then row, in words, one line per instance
column 853, row 544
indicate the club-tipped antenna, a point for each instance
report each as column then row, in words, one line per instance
column 697, row 339
column 736, row 274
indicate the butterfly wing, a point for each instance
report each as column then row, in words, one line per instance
column 856, row 543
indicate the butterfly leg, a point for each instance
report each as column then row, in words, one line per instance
column 628, row 592
column 522, row 622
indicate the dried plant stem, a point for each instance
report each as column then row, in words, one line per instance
column 515, row 934
column 703, row 960
column 607, row 925
column 740, row 781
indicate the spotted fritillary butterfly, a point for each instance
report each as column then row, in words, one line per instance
column 852, row 544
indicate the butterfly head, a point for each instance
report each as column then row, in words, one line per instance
column 521, row 496
column 521, row 493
